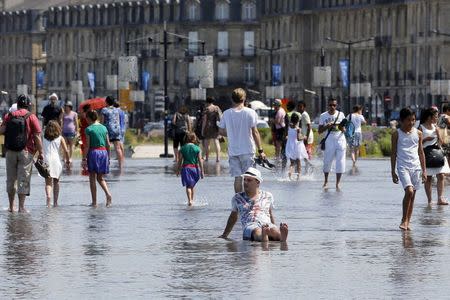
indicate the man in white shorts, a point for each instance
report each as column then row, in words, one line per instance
column 335, row 145
column 239, row 125
column 254, row 207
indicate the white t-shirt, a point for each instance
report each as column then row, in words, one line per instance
column 326, row 118
column 305, row 121
column 357, row 120
column 239, row 124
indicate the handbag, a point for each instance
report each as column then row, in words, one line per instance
column 434, row 156
column 322, row 142
column 42, row 168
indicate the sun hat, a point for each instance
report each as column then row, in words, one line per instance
column 53, row 95
column 69, row 103
column 277, row 102
column 254, row 173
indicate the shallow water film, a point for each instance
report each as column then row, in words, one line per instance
column 341, row 245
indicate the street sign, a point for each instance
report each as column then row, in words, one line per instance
column 137, row 96
column 322, row 76
column 76, row 87
column 159, row 101
column 204, row 70
column 366, row 89
column 111, row 82
column 198, row 94
column 387, row 99
column 22, row 89
column 128, row 68
column 355, row 90
column 273, row 92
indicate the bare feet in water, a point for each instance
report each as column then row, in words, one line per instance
column 403, row 226
column 283, row 232
column 108, row 201
column 265, row 233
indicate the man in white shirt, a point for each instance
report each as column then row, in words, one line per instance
column 357, row 119
column 239, row 125
column 306, row 128
column 335, row 144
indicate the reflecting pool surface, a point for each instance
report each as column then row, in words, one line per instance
column 341, row 245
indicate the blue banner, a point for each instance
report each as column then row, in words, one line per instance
column 91, row 78
column 343, row 64
column 40, row 76
column 145, row 81
column 276, row 70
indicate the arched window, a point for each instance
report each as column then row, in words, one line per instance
column 193, row 11
column 249, row 10
column 222, row 10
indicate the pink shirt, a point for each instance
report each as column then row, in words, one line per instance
column 33, row 127
column 279, row 118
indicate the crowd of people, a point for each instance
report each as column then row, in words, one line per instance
column 27, row 144
column 418, row 152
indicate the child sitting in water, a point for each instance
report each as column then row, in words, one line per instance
column 52, row 143
column 96, row 156
column 408, row 155
column 190, row 164
column 295, row 147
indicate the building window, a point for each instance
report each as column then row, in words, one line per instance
column 222, row 43
column 193, row 43
column 222, row 10
column 193, row 12
column 222, row 73
column 249, row 43
column 249, row 73
column 249, row 11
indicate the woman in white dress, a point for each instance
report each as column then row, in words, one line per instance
column 52, row 143
column 431, row 137
column 295, row 147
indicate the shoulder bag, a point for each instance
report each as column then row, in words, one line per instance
column 322, row 142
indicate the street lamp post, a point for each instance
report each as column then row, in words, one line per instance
column 349, row 45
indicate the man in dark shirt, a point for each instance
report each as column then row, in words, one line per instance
column 52, row 111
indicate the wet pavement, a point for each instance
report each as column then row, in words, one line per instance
column 341, row 245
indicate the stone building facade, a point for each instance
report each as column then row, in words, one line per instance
column 69, row 41
column 399, row 62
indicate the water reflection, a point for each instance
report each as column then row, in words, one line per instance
column 212, row 169
column 97, row 243
column 22, row 253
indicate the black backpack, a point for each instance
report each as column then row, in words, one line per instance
column 16, row 132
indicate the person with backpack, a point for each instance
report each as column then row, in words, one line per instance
column 355, row 140
column 22, row 140
column 182, row 124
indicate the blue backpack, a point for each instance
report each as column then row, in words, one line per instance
column 349, row 130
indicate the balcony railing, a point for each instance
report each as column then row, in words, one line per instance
column 222, row 52
column 249, row 52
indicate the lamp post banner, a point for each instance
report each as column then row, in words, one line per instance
column 145, row 80
column 343, row 64
column 40, row 75
column 91, row 79
column 276, row 71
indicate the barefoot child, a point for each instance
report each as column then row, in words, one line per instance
column 52, row 143
column 190, row 164
column 96, row 156
column 295, row 147
column 408, row 155
column 254, row 208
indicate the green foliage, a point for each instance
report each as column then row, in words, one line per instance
column 373, row 149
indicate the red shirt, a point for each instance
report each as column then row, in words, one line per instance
column 33, row 127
